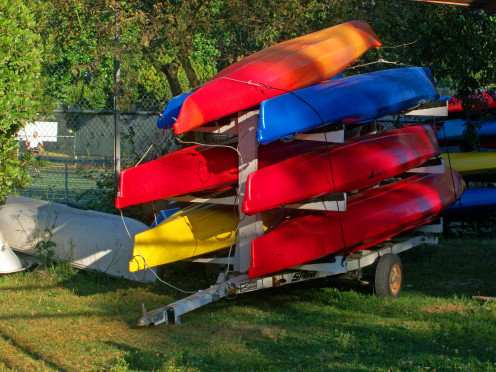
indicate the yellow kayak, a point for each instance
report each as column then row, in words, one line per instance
column 468, row 163
column 181, row 237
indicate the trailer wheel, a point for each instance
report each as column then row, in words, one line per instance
column 389, row 276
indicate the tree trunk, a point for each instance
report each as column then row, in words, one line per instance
column 190, row 72
column 170, row 70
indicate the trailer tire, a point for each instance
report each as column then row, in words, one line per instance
column 389, row 276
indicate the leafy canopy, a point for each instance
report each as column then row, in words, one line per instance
column 21, row 53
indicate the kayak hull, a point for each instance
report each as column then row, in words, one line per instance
column 287, row 66
column 185, row 236
column 475, row 203
column 455, row 104
column 350, row 100
column 453, row 131
column 370, row 218
column 182, row 237
column 356, row 164
column 171, row 112
column 472, row 163
column 194, row 169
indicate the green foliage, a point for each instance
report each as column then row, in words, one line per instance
column 21, row 53
column 44, row 245
column 169, row 47
column 13, row 174
column 44, row 249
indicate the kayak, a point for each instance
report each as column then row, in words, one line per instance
column 475, row 203
column 471, row 163
column 290, row 65
column 371, row 158
column 171, row 111
column 180, row 172
column 371, row 217
column 349, row 100
column 184, row 236
column 453, row 130
column 455, row 103
column 194, row 169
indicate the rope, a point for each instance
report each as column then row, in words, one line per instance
column 146, row 267
column 449, row 162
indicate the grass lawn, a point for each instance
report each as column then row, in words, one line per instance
column 71, row 321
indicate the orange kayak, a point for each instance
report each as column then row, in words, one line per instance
column 273, row 71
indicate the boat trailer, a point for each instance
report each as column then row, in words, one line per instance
column 388, row 277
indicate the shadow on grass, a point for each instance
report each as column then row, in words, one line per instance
column 26, row 350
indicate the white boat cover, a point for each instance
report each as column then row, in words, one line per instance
column 9, row 262
column 87, row 239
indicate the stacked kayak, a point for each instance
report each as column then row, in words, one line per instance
column 477, row 166
column 284, row 67
column 193, row 169
column 350, row 100
column 372, row 158
column 452, row 132
column 292, row 86
column 476, row 203
column 455, row 104
column 188, row 235
column 371, row 217
column 472, row 163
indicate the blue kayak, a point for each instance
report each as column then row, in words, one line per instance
column 171, row 111
column 350, row 100
column 475, row 202
column 452, row 130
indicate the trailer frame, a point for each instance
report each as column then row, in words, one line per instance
column 236, row 281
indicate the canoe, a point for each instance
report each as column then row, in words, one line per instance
column 86, row 239
column 171, row 112
column 284, row 67
column 455, row 103
column 452, row 130
column 356, row 164
column 475, row 203
column 349, row 100
column 472, row 163
column 196, row 168
column 370, row 218
column 185, row 236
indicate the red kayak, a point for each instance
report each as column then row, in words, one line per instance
column 356, row 164
column 455, row 103
column 273, row 71
column 371, row 217
column 193, row 169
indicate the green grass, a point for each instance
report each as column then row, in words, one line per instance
column 74, row 321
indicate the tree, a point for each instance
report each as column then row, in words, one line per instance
column 173, row 46
column 21, row 55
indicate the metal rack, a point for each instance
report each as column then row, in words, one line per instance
column 250, row 228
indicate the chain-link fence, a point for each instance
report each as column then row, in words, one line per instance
column 75, row 151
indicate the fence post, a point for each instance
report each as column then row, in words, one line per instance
column 117, row 119
column 66, row 185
